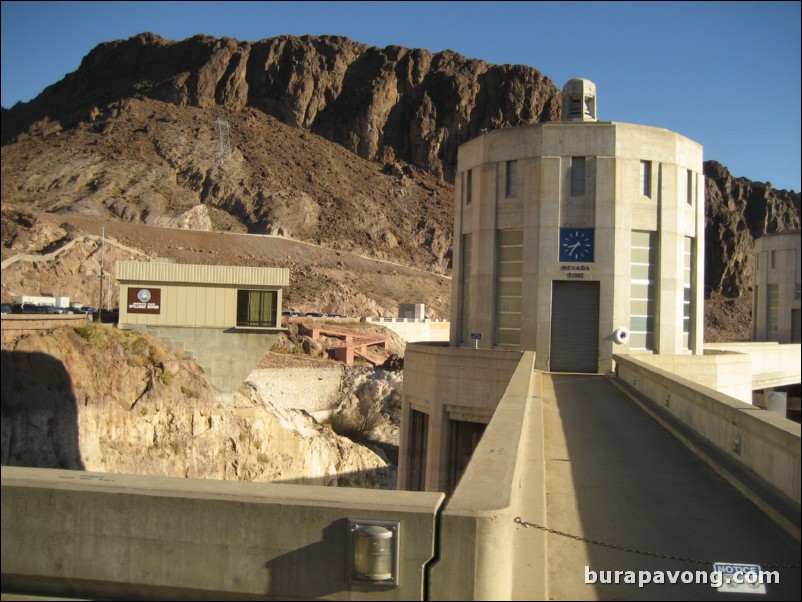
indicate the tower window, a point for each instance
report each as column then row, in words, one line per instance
column 577, row 176
column 511, row 179
column 690, row 187
column 468, row 187
column 646, row 178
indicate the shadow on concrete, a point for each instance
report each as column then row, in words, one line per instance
column 316, row 570
column 312, row 571
column 635, row 485
column 39, row 413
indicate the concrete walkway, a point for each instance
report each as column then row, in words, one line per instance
column 615, row 475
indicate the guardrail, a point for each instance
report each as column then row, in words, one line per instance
column 477, row 552
column 757, row 451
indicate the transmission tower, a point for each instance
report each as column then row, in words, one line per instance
column 224, row 140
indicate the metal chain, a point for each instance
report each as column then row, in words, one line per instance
column 523, row 523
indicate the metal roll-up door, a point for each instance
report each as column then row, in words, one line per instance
column 575, row 327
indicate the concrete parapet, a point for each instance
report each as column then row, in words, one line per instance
column 120, row 536
column 728, row 373
column 13, row 324
column 414, row 331
column 773, row 364
column 478, row 529
column 757, row 451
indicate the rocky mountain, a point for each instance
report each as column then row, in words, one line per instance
column 380, row 103
column 738, row 211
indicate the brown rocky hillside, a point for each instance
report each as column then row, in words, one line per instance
column 381, row 103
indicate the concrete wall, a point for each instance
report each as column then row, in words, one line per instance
column 415, row 331
column 773, row 365
column 446, row 382
column 478, row 544
column 227, row 356
column 105, row 536
column 764, row 444
column 13, row 324
column 728, row 373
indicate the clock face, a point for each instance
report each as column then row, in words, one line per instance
column 576, row 245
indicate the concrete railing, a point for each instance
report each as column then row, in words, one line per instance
column 119, row 536
column 477, row 555
column 413, row 330
column 12, row 324
column 764, row 444
column 773, row 364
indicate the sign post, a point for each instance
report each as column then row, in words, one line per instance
column 476, row 336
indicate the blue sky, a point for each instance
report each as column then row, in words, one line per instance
column 725, row 74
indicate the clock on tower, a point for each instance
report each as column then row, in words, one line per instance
column 576, row 245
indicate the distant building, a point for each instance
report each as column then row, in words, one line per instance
column 776, row 292
column 226, row 317
column 575, row 239
column 207, row 296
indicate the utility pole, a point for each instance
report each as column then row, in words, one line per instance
column 102, row 255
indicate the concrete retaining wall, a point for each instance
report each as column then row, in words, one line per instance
column 227, row 356
column 764, row 444
column 478, row 545
column 414, row 331
column 773, row 365
column 728, row 373
column 105, row 536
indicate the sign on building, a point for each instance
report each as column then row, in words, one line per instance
column 144, row 300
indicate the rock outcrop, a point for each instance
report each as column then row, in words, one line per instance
column 381, row 103
column 105, row 400
column 738, row 211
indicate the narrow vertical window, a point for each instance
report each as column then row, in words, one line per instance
column 466, row 286
column 643, row 294
column 577, row 176
column 469, row 187
column 689, row 186
column 646, row 178
column 509, row 269
column 772, row 311
column 773, row 259
column 687, row 306
column 511, row 186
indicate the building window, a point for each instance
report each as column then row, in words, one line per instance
column 773, row 259
column 643, row 290
column 577, row 176
column 689, row 186
column 418, row 444
column 257, row 308
column 466, row 286
column 463, row 437
column 646, row 178
column 772, row 311
column 468, row 187
column 687, row 281
column 509, row 268
column 511, row 179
